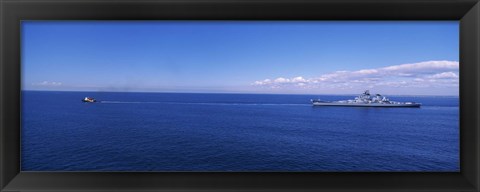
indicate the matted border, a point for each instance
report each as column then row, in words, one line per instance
column 14, row 11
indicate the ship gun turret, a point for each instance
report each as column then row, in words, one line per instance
column 366, row 100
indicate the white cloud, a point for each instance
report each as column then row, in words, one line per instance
column 419, row 79
column 426, row 66
column 281, row 80
column 299, row 79
column 419, row 75
column 48, row 83
column 444, row 75
column 366, row 71
column 301, row 84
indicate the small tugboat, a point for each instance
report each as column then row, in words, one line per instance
column 89, row 100
column 366, row 100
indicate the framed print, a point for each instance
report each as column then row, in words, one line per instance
column 239, row 95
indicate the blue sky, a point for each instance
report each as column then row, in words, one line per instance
column 309, row 57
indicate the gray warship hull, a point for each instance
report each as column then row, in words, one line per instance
column 365, row 100
column 365, row 104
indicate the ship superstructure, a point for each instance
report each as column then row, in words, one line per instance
column 366, row 100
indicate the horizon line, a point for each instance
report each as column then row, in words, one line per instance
column 247, row 93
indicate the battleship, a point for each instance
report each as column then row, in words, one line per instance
column 366, row 100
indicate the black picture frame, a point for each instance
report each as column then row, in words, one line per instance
column 14, row 11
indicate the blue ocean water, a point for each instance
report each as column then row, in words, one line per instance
column 233, row 132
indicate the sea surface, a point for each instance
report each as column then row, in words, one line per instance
column 234, row 132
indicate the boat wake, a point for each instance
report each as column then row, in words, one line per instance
column 200, row 103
